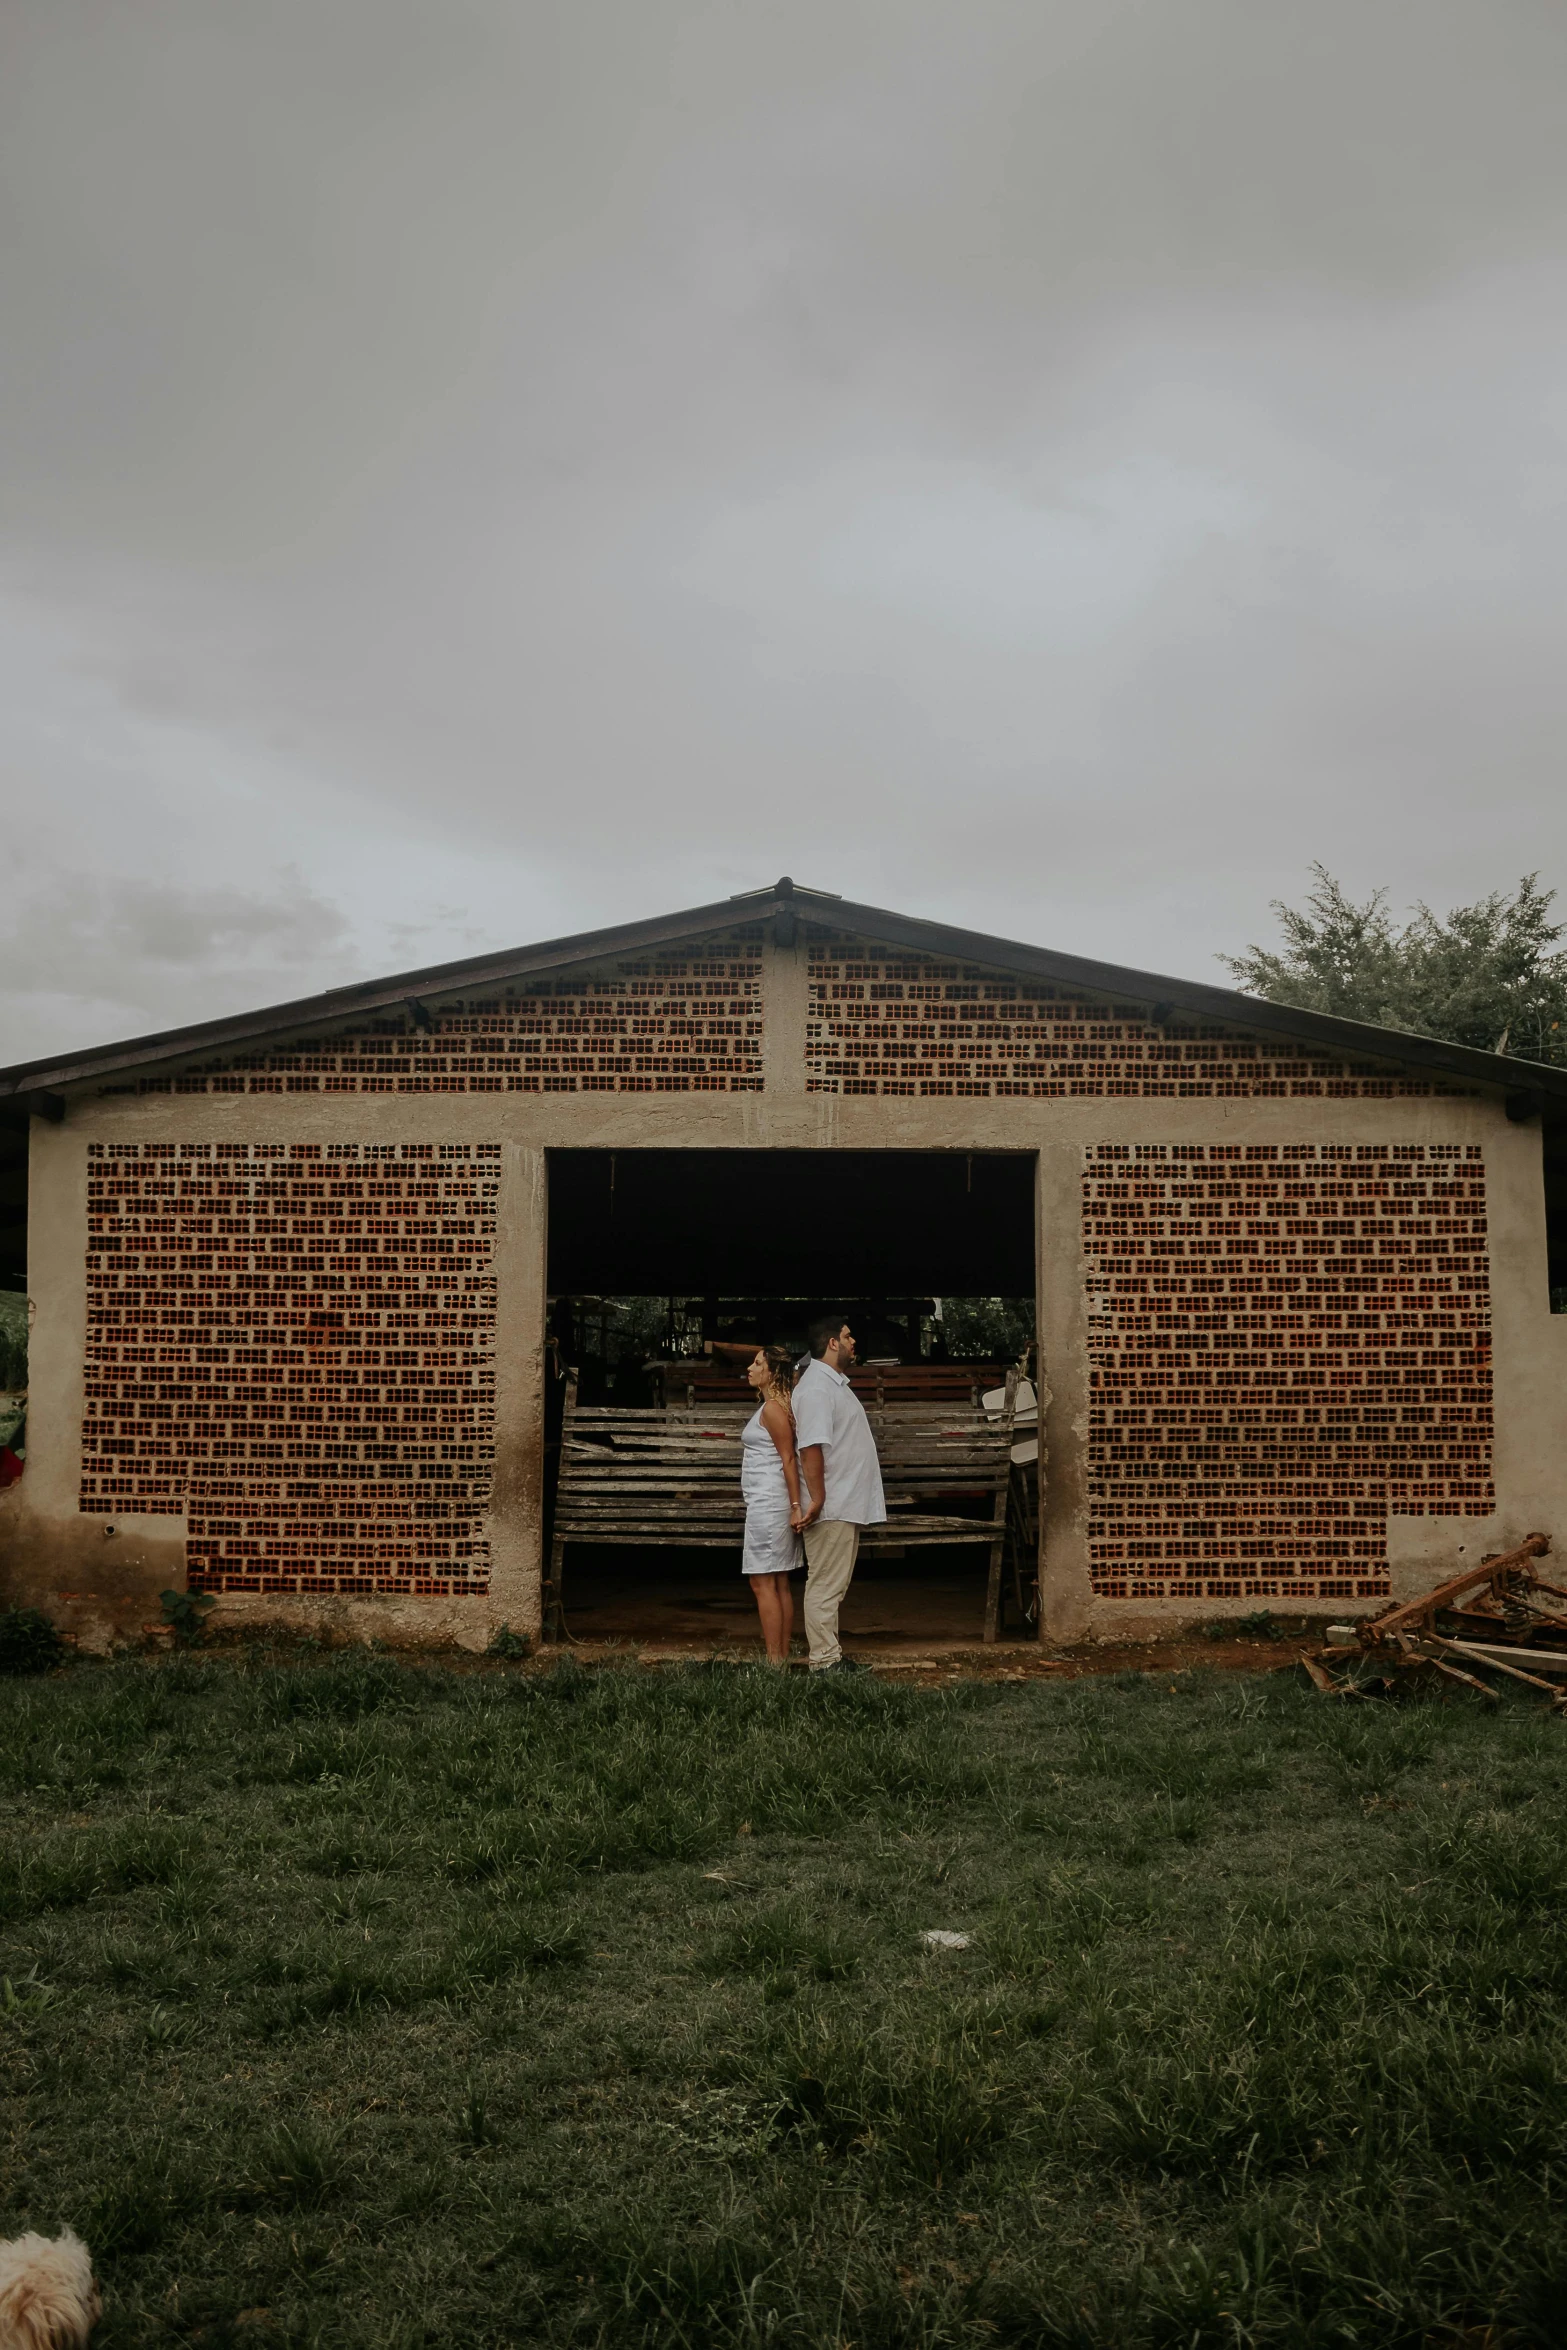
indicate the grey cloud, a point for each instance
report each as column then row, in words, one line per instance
column 178, row 928
column 1061, row 465
column 135, row 956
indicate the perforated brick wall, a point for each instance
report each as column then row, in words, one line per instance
column 1287, row 1342
column 294, row 1344
column 883, row 1021
column 686, row 1022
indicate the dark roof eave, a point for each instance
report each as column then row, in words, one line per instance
column 1111, row 979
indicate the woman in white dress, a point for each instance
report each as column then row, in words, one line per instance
column 770, row 1482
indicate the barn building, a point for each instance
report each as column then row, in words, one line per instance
column 297, row 1280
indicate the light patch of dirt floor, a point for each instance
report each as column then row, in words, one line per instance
column 956, row 1660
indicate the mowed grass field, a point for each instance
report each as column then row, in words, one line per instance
column 358, row 2002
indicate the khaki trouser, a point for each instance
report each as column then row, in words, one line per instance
column 831, row 1548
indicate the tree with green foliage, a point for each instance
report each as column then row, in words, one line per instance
column 1491, row 975
column 13, row 1341
column 987, row 1329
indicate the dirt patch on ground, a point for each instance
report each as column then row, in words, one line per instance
column 1005, row 1661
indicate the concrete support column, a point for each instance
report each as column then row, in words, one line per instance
column 1064, row 1589
column 57, row 1316
column 516, row 1519
column 1529, row 1341
column 783, row 1038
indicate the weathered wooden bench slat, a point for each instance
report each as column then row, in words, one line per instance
column 911, row 1458
column 930, row 1532
column 584, row 1459
column 900, row 1444
column 710, row 1512
column 722, row 1418
column 940, row 1536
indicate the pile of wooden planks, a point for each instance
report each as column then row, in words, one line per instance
column 1500, row 1618
column 672, row 1478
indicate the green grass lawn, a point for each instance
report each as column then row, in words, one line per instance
column 353, row 2002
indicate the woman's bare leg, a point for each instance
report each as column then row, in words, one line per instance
column 785, row 1590
column 784, row 1620
column 764, row 1590
column 772, row 1598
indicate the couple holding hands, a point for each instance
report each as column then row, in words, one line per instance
column 811, row 1479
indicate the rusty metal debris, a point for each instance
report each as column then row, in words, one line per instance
column 1500, row 1617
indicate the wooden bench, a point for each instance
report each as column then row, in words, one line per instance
column 693, row 1382
column 672, row 1478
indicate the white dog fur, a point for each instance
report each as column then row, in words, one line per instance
column 48, row 2300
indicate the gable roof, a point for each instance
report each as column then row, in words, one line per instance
column 27, row 1083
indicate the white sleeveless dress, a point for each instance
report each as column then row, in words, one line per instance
column 772, row 1547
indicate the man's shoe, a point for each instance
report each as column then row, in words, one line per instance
column 846, row 1664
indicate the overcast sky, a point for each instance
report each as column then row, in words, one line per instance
column 478, row 469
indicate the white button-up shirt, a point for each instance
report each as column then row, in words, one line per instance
column 829, row 1413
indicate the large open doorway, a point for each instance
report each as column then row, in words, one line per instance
column 655, row 1254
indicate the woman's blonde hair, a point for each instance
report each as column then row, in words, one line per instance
column 780, row 1372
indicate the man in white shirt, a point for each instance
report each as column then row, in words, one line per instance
column 842, row 1479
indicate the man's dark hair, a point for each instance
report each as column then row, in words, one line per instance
column 823, row 1331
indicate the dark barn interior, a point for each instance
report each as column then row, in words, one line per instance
column 792, row 1223
column 13, row 1202
column 752, row 1244
column 1555, row 1161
